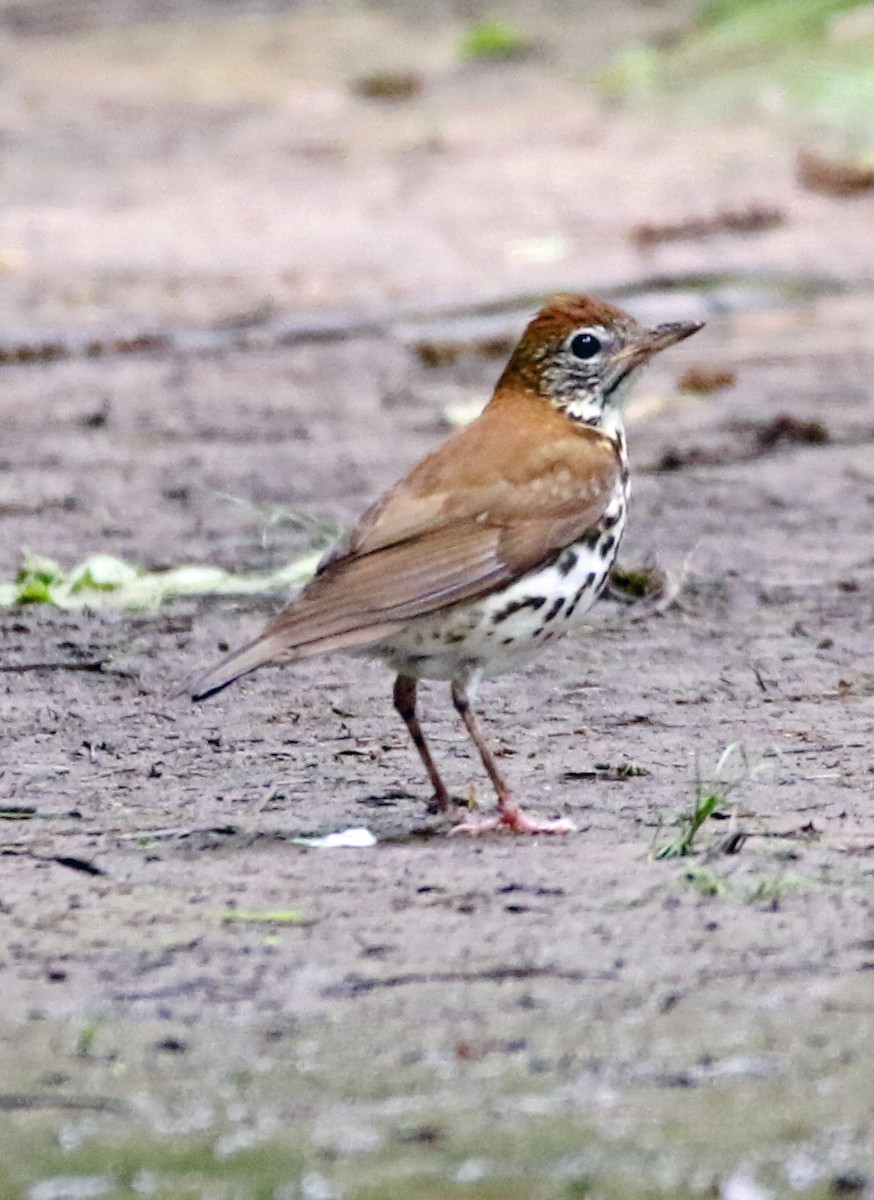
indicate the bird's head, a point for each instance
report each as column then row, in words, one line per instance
column 582, row 354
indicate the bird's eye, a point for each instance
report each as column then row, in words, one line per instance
column 585, row 345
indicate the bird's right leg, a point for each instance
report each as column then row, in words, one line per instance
column 509, row 813
column 405, row 703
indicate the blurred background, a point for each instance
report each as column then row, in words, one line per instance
column 168, row 163
column 255, row 260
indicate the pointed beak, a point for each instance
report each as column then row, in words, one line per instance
column 667, row 335
column 651, row 341
column 642, row 349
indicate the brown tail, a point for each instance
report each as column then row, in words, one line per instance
column 274, row 648
column 233, row 666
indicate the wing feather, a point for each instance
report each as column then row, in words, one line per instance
column 460, row 526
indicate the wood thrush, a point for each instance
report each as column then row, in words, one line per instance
column 494, row 545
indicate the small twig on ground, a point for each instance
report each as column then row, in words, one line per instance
column 95, row 664
column 831, row 177
column 357, row 985
column 756, row 218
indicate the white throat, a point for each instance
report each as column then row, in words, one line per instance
column 606, row 417
column 611, row 424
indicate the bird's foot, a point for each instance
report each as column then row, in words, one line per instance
column 514, row 818
column 440, row 803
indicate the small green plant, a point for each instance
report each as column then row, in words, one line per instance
column 636, row 583
column 630, row 771
column 734, row 54
column 103, row 581
column 87, row 1035
column 749, row 24
column 34, row 582
column 493, row 40
column 704, row 880
column 710, row 795
column 320, row 534
column 770, row 891
column 249, row 917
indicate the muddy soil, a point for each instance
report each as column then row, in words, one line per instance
column 193, row 1004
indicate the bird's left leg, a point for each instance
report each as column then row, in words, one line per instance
column 405, row 703
column 509, row 813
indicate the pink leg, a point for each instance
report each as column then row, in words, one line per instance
column 509, row 814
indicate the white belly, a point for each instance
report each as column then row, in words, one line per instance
column 503, row 631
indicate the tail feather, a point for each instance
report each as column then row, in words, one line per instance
column 274, row 648
column 232, row 667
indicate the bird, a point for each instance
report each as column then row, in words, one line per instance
column 493, row 546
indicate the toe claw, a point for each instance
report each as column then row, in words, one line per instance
column 516, row 820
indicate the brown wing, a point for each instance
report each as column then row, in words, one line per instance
column 519, row 457
column 497, row 500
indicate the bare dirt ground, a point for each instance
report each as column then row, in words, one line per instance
column 505, row 1018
